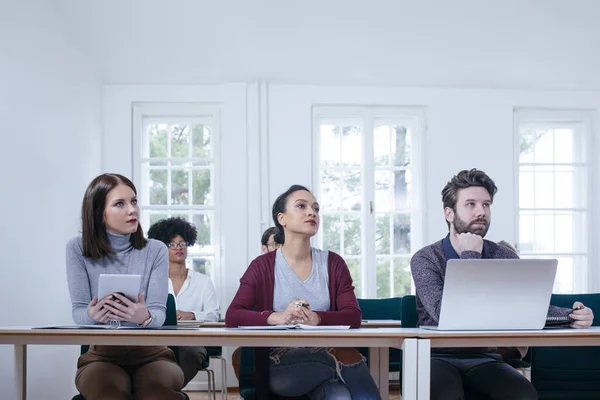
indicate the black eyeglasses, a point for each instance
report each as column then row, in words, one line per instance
column 181, row 245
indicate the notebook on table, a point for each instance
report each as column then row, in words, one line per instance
column 293, row 326
column 496, row 294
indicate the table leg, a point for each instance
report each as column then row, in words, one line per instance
column 21, row 371
column 384, row 372
column 374, row 353
column 410, row 364
column 424, row 369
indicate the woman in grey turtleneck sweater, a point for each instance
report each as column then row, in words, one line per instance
column 113, row 242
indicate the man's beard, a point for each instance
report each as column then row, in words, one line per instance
column 461, row 226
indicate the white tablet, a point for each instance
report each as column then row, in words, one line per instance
column 129, row 285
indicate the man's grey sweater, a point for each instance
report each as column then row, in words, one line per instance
column 428, row 267
column 151, row 262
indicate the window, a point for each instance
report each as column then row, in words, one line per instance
column 368, row 180
column 176, row 169
column 552, row 192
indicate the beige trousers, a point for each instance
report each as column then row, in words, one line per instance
column 129, row 372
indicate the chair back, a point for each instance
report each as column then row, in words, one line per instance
column 410, row 319
column 568, row 372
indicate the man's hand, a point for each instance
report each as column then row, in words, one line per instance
column 582, row 316
column 185, row 315
column 467, row 241
column 122, row 309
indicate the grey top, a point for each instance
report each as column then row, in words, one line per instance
column 151, row 262
column 288, row 287
column 428, row 267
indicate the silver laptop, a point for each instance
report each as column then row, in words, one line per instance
column 493, row 294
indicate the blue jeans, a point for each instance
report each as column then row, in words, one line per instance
column 315, row 373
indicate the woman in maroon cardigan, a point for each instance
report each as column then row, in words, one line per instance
column 300, row 284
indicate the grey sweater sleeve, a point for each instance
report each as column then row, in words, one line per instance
column 78, row 282
column 158, row 285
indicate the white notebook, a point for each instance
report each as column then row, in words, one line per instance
column 294, row 326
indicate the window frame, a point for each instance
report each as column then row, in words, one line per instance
column 580, row 121
column 368, row 117
column 144, row 113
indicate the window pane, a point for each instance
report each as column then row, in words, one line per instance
column 351, row 145
column 544, row 233
column 544, row 188
column 201, row 141
column 392, row 190
column 563, row 283
column 401, row 144
column 154, row 218
column 382, row 145
column 355, row 273
column 179, row 187
column 180, row 140
column 526, row 185
column 402, row 234
column 331, row 233
column 158, row 186
column 352, row 239
column 402, row 180
column 564, row 187
column 563, row 142
column 526, row 232
column 201, row 188
column 382, row 234
column 563, row 232
column 527, row 141
column 383, row 277
column 331, row 190
column 203, row 242
column 543, row 146
column 331, row 145
column 384, row 195
column 157, row 137
column 402, row 277
column 352, row 191
column 204, row 265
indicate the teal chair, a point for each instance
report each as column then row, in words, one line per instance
column 571, row 373
column 389, row 308
column 170, row 319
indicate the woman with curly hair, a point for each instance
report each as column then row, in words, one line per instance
column 194, row 292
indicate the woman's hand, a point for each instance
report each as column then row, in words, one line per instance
column 122, row 309
column 185, row 315
column 309, row 317
column 295, row 313
column 97, row 311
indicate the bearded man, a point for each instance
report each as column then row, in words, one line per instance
column 467, row 200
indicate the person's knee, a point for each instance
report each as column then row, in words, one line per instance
column 338, row 391
column 521, row 392
column 155, row 391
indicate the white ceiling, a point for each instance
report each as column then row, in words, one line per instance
column 462, row 43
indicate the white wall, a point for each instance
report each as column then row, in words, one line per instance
column 50, row 140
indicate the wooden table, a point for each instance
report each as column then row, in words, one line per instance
column 378, row 340
column 429, row 339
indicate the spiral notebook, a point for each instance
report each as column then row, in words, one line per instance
column 557, row 322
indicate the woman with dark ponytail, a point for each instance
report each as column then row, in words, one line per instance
column 300, row 284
